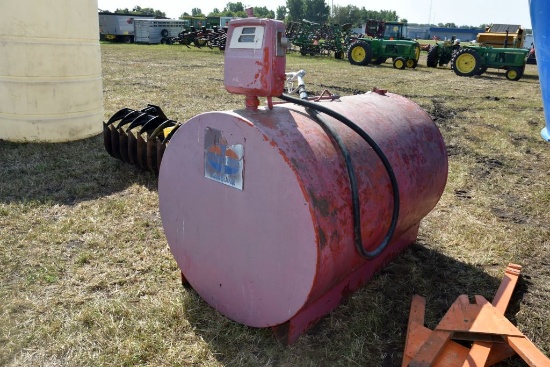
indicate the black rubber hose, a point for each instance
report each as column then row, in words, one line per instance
column 356, row 207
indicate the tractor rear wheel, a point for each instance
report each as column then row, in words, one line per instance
column 466, row 62
column 359, row 53
column 399, row 63
column 433, row 57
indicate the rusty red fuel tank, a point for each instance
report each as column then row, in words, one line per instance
column 257, row 208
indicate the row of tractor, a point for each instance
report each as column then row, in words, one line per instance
column 388, row 40
column 383, row 41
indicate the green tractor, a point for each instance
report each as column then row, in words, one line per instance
column 376, row 51
column 442, row 52
column 475, row 60
column 384, row 40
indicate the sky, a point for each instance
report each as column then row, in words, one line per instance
column 464, row 12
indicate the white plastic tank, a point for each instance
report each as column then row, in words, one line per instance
column 50, row 70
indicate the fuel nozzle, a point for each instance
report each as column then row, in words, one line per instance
column 299, row 77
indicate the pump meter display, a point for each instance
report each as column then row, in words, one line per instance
column 255, row 57
column 247, row 37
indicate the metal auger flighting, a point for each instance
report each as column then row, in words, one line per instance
column 139, row 137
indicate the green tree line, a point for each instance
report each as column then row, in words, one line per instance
column 138, row 10
column 295, row 10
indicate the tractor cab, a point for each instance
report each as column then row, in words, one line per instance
column 386, row 30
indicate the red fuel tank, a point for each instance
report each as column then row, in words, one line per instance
column 257, row 207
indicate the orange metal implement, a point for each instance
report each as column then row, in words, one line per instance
column 494, row 337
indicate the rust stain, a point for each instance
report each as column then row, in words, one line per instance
column 322, row 237
column 297, row 164
column 321, row 204
column 335, row 236
column 382, row 92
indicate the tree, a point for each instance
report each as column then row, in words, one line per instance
column 354, row 16
column 357, row 17
column 234, row 7
column 138, row 10
column 316, row 11
column 233, row 10
column 296, row 10
column 281, row 13
column 123, row 11
column 340, row 15
column 196, row 12
column 263, row 12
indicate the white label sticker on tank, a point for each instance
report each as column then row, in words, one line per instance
column 223, row 163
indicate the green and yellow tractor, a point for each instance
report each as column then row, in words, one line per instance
column 500, row 47
column 384, row 40
column 475, row 60
column 442, row 52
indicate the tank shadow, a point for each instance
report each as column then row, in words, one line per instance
column 64, row 173
column 369, row 328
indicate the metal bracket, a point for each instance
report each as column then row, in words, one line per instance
column 494, row 337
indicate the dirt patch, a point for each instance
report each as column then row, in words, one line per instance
column 441, row 113
column 337, row 88
column 509, row 214
column 485, row 166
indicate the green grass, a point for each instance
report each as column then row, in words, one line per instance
column 87, row 277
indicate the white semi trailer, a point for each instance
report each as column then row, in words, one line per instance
column 153, row 31
column 118, row 27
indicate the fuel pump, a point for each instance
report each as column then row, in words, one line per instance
column 255, row 59
column 275, row 214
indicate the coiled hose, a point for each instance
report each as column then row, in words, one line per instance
column 315, row 110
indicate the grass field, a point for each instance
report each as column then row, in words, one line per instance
column 87, row 278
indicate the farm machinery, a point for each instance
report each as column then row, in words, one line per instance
column 502, row 35
column 475, row 60
column 376, row 51
column 500, row 47
column 384, row 40
column 319, row 39
column 139, row 137
column 442, row 52
column 211, row 38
